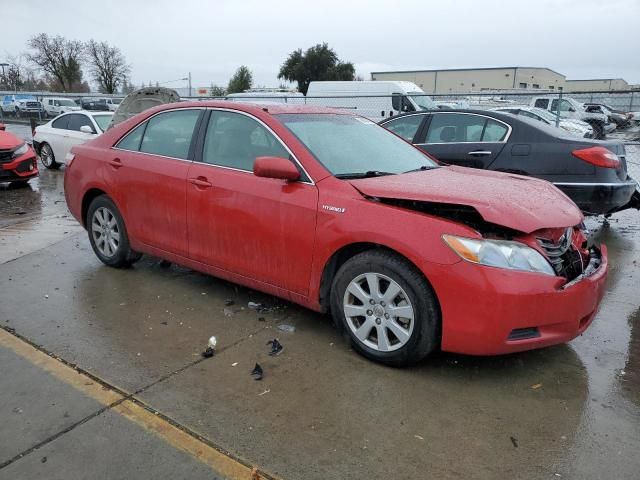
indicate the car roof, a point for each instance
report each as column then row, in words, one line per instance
column 249, row 107
column 476, row 111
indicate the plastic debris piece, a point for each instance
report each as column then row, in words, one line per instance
column 257, row 372
column 265, row 392
column 419, row 437
column 228, row 312
column 46, row 296
column 276, row 347
column 254, row 305
column 211, row 348
column 283, row 327
column 514, row 441
column 234, row 364
column 536, row 386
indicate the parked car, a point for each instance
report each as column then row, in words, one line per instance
column 372, row 99
column 21, row 104
column 574, row 127
column 141, row 100
column 93, row 104
column 54, row 139
column 592, row 173
column 328, row 210
column 620, row 118
column 17, row 159
column 54, row 106
column 571, row 108
column 112, row 103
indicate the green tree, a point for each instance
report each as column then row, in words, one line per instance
column 318, row 63
column 242, row 80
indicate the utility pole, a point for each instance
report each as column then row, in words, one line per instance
column 189, row 83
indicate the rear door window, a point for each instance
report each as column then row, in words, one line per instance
column 169, row 134
column 61, row 122
column 494, row 131
column 405, row 127
column 132, row 140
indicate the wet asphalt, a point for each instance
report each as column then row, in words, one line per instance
column 321, row 411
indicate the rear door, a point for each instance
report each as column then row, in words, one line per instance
column 147, row 172
column 465, row 139
column 56, row 137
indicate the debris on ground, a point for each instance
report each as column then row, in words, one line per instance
column 257, row 372
column 283, row 327
column 276, row 347
column 228, row 312
column 254, row 305
column 43, row 460
column 536, row 386
column 265, row 392
column 234, row 364
column 514, row 440
column 419, row 437
column 211, row 347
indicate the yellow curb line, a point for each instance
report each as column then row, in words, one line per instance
column 174, row 436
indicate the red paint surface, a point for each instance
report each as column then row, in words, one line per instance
column 278, row 236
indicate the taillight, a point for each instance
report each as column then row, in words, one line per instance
column 598, row 156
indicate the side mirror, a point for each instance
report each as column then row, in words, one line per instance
column 3, row 127
column 86, row 129
column 571, row 109
column 275, row 167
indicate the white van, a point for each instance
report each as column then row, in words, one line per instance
column 54, row 106
column 372, row 99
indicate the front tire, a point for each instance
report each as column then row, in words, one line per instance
column 47, row 157
column 386, row 307
column 108, row 234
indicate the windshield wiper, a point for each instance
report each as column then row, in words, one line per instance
column 367, row 174
column 422, row 167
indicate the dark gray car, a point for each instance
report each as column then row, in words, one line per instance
column 592, row 173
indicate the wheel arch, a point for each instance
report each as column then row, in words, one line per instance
column 343, row 254
column 88, row 197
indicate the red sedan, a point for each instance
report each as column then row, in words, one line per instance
column 333, row 212
column 17, row 159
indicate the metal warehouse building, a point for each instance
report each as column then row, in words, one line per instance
column 464, row 80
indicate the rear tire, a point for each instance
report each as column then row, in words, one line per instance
column 47, row 157
column 108, row 234
column 386, row 307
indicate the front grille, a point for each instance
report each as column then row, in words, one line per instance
column 555, row 250
column 6, row 156
column 33, row 105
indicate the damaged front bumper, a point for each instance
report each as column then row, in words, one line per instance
column 509, row 311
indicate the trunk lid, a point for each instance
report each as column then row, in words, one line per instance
column 521, row 203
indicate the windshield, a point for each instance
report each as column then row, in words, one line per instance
column 67, row 103
column 349, row 145
column 423, row 101
column 103, row 120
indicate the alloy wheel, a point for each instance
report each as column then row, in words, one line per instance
column 378, row 312
column 46, row 156
column 105, row 231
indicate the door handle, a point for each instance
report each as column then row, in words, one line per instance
column 201, row 182
column 115, row 163
column 480, row 153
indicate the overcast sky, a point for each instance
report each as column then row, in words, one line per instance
column 163, row 40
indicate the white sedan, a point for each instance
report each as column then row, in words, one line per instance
column 53, row 140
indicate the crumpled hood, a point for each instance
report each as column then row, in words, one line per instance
column 521, row 203
column 9, row 141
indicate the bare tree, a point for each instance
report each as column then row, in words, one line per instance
column 58, row 57
column 108, row 65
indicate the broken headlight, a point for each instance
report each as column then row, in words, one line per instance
column 499, row 253
column 21, row 150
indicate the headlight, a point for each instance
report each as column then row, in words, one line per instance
column 21, row 150
column 499, row 253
